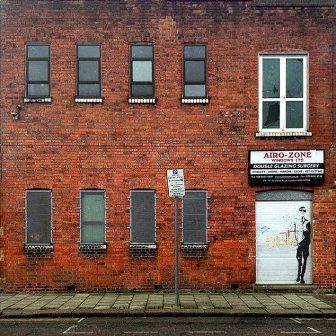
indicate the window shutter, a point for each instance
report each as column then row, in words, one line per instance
column 38, row 213
column 195, row 213
column 142, row 216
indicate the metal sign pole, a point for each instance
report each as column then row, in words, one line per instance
column 177, row 299
column 176, row 189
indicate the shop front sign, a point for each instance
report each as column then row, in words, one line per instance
column 286, row 167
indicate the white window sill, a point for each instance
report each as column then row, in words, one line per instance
column 89, row 100
column 142, row 100
column 194, row 247
column 92, row 246
column 143, row 246
column 37, row 100
column 38, row 248
column 139, row 250
column 195, row 100
column 263, row 134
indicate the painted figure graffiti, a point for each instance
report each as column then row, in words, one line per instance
column 303, row 233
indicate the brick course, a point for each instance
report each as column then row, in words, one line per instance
column 66, row 146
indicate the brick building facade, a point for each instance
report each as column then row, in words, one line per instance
column 100, row 98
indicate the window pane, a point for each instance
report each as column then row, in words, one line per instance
column 89, row 90
column 38, row 51
column 271, row 78
column 194, row 91
column 194, row 231
column 38, row 71
column 294, row 115
column 92, row 233
column 38, row 217
column 89, row 51
column 92, row 217
column 271, row 115
column 38, row 90
column 142, row 71
column 93, row 207
column 194, row 51
column 143, row 217
column 294, row 78
column 142, row 51
column 194, row 206
column 142, row 90
column 201, row 194
column 194, row 71
column 88, row 71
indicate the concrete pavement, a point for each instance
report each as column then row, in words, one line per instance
column 162, row 303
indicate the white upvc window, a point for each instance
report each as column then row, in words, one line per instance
column 283, row 93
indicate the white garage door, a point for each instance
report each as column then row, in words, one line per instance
column 283, row 229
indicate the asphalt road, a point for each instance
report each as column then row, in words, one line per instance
column 168, row 326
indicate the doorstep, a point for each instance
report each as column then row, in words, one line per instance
column 284, row 288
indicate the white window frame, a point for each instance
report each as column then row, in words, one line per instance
column 282, row 130
column 80, row 215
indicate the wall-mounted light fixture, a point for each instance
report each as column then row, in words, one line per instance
column 16, row 114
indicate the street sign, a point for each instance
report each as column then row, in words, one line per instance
column 176, row 183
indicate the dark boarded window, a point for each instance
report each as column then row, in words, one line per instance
column 195, row 71
column 37, row 70
column 195, row 217
column 93, row 216
column 38, row 217
column 88, row 70
column 142, row 68
column 143, row 216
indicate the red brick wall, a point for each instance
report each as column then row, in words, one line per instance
column 67, row 146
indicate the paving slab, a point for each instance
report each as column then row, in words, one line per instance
column 219, row 302
column 192, row 303
column 188, row 301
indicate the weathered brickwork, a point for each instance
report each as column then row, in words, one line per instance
column 115, row 146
